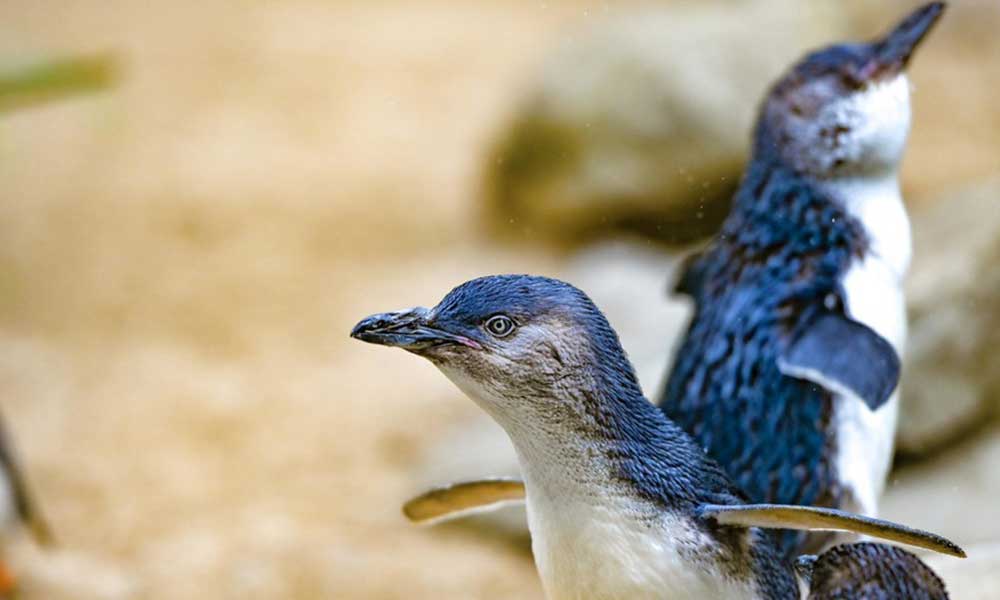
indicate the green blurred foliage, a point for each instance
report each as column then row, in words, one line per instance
column 56, row 79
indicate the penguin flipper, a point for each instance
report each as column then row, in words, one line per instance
column 463, row 498
column 811, row 518
column 844, row 356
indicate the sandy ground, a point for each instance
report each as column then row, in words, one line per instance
column 182, row 260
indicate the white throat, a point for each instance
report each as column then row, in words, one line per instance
column 592, row 535
column 876, row 202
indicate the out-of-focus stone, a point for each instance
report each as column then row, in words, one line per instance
column 642, row 120
column 975, row 578
column 953, row 494
column 951, row 378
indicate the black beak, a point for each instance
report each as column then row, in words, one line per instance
column 892, row 53
column 408, row 329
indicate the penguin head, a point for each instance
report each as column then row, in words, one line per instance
column 844, row 110
column 525, row 348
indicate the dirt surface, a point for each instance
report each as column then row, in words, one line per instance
column 183, row 257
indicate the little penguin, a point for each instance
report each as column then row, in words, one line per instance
column 621, row 502
column 787, row 374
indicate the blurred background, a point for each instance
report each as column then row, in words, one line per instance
column 201, row 198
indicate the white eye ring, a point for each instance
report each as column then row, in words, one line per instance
column 499, row 326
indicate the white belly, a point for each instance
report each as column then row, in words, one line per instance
column 865, row 444
column 613, row 551
column 874, row 296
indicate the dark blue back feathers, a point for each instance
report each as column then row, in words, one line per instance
column 777, row 261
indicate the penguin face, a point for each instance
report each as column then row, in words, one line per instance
column 520, row 346
column 845, row 110
column 829, row 127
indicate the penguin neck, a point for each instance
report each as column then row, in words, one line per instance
column 619, row 449
column 583, row 441
column 576, row 458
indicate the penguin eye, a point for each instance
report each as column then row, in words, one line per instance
column 499, row 326
column 851, row 81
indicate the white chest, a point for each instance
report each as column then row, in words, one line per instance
column 592, row 537
column 614, row 549
column 873, row 289
column 874, row 284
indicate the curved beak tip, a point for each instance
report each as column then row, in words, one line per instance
column 894, row 50
column 383, row 328
column 407, row 329
column 377, row 328
column 364, row 327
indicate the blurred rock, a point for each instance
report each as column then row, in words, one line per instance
column 975, row 578
column 951, row 380
column 954, row 493
column 643, row 119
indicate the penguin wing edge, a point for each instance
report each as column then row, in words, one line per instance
column 463, row 498
column 845, row 357
column 811, row 518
